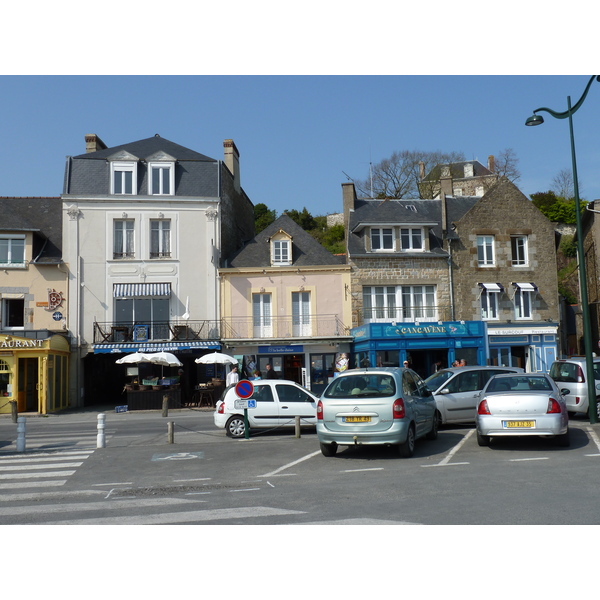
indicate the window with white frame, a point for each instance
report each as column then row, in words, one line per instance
column 12, row 251
column 518, row 249
column 123, row 177
column 123, row 238
column 382, row 239
column 161, row 178
column 281, row 252
column 399, row 303
column 485, row 251
column 411, row 238
column 301, row 313
column 160, row 238
column 489, row 304
column 523, row 300
column 261, row 315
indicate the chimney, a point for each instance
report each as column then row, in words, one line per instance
column 93, row 143
column 446, row 187
column 491, row 165
column 421, row 170
column 232, row 162
column 348, row 200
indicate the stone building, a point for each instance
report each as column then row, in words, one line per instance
column 504, row 273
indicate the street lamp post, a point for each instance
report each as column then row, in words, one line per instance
column 587, row 330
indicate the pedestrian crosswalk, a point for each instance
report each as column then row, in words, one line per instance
column 54, row 440
column 38, row 470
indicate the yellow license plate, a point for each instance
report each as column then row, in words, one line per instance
column 519, row 424
column 356, row 419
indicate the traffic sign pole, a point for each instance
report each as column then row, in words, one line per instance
column 244, row 389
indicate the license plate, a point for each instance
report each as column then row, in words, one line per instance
column 356, row 419
column 519, row 424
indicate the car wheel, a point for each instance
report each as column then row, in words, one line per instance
column 483, row 440
column 407, row 449
column 433, row 433
column 328, row 449
column 235, row 427
column 564, row 440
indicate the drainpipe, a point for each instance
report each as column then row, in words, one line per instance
column 450, row 280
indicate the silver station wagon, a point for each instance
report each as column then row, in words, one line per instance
column 386, row 406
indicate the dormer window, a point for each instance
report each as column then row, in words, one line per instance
column 411, row 239
column 281, row 252
column 281, row 249
column 382, row 239
column 161, row 174
column 123, row 177
column 161, row 178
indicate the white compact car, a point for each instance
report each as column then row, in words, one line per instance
column 278, row 403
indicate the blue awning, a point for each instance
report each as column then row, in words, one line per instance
column 157, row 347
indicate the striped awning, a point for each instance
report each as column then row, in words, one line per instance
column 157, row 346
column 141, row 290
column 526, row 287
column 492, row 287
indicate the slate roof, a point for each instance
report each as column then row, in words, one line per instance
column 148, row 147
column 409, row 212
column 195, row 173
column 42, row 217
column 457, row 170
column 306, row 251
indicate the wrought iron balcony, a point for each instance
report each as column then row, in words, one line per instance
column 283, row 327
column 158, row 331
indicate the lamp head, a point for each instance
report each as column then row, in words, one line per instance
column 534, row 120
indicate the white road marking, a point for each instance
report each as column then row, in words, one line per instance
column 290, row 464
column 594, row 437
column 46, row 466
column 90, row 506
column 446, row 461
column 526, row 459
column 360, row 470
column 34, row 475
column 183, row 517
column 31, row 484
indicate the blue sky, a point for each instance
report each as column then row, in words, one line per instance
column 298, row 135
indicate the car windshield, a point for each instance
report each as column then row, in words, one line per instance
column 435, row 381
column 365, row 385
column 512, row 384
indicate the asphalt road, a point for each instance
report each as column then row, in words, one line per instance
column 275, row 478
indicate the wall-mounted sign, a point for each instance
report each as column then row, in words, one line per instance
column 57, row 316
column 55, row 299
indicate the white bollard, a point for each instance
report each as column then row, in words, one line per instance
column 21, row 434
column 101, row 437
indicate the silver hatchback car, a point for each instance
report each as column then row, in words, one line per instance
column 388, row 406
column 456, row 390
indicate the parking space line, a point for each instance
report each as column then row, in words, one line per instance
column 525, row 459
column 594, row 438
column 290, row 464
column 359, row 470
column 446, row 461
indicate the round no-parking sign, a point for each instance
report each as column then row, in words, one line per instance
column 244, row 388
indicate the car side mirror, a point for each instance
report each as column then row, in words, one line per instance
column 565, row 391
column 444, row 391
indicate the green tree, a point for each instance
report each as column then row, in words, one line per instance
column 263, row 217
column 304, row 218
column 556, row 208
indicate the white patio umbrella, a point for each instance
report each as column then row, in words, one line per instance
column 166, row 359
column 216, row 358
column 134, row 358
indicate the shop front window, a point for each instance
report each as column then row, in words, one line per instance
column 5, row 381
